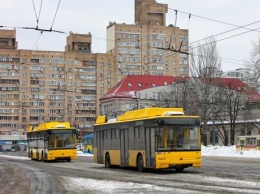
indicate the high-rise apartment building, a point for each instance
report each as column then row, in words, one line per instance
column 38, row 86
column 142, row 48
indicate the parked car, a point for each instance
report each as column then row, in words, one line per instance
column 80, row 147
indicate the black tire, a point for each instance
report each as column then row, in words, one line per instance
column 69, row 159
column 43, row 157
column 107, row 161
column 37, row 155
column 31, row 155
column 179, row 169
column 140, row 163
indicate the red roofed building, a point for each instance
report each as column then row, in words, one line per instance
column 237, row 85
column 137, row 91
column 132, row 83
column 122, row 96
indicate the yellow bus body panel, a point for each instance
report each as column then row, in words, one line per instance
column 54, row 154
column 101, row 119
column 95, row 155
column 168, row 159
column 146, row 113
column 114, row 156
column 133, row 157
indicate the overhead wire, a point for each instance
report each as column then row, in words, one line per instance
column 37, row 16
column 55, row 14
column 37, row 39
column 35, row 10
column 176, row 11
column 228, row 37
column 224, row 32
column 171, row 38
column 214, row 20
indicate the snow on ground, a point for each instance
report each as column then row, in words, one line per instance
column 106, row 186
column 226, row 151
column 119, row 187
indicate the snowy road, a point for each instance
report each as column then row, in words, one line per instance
column 218, row 175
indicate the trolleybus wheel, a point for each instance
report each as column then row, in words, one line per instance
column 107, row 161
column 43, row 157
column 140, row 163
column 179, row 169
column 69, row 159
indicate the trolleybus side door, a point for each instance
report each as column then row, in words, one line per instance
column 124, row 153
column 149, row 146
column 100, row 148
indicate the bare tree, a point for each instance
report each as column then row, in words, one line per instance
column 254, row 63
column 232, row 97
column 179, row 94
column 218, row 109
column 204, row 65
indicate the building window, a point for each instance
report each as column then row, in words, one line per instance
column 211, row 137
column 183, row 39
column 182, row 69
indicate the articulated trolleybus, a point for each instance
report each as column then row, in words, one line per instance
column 52, row 141
column 155, row 138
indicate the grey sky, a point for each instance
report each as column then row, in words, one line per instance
column 83, row 16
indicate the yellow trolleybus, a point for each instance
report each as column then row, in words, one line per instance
column 52, row 141
column 154, row 138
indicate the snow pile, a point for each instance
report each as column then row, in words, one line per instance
column 228, row 151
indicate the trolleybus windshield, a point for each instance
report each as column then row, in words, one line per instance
column 177, row 137
column 177, row 134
